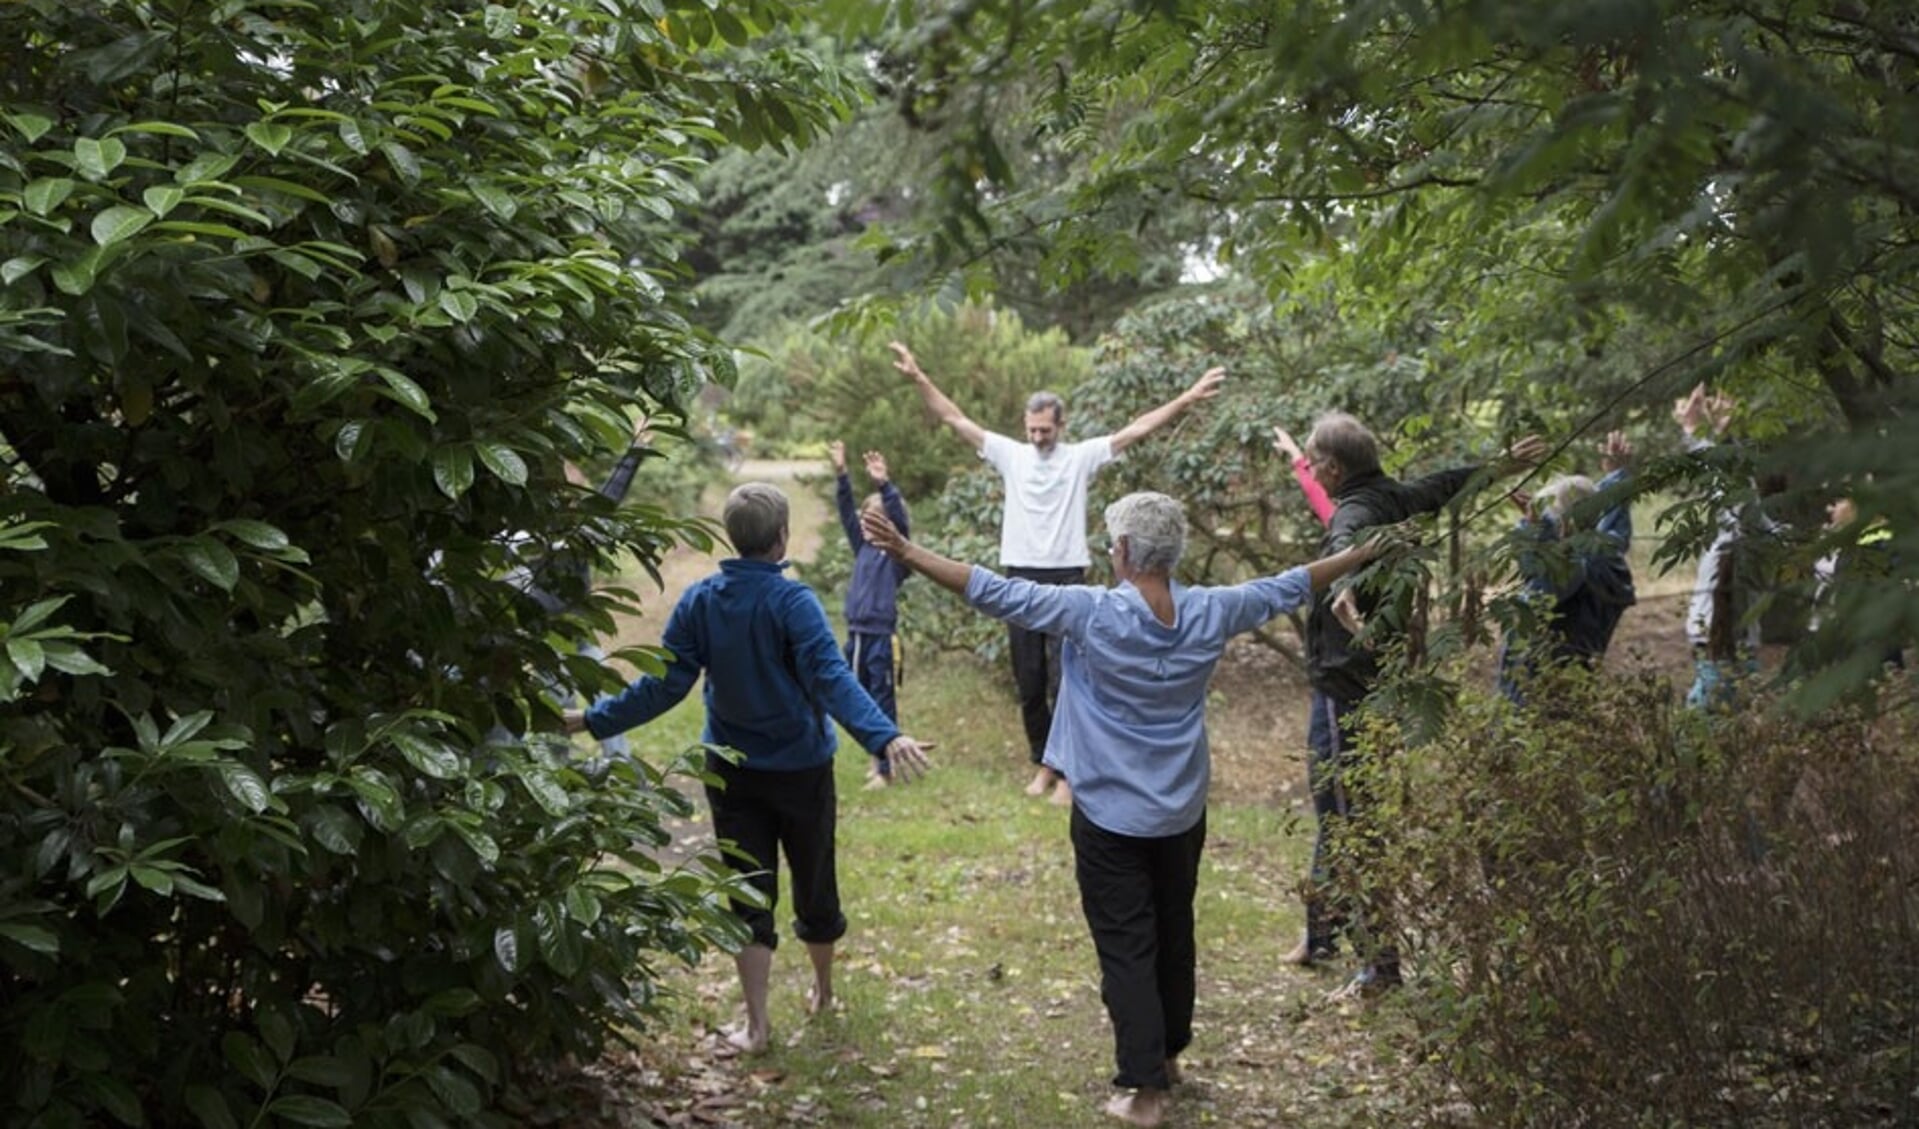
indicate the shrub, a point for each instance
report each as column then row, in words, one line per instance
column 305, row 306
column 1625, row 914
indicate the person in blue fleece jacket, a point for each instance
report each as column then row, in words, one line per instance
column 872, row 595
column 776, row 682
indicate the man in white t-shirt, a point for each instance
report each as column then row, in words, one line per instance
column 1043, row 530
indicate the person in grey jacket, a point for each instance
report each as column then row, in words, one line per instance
column 1344, row 458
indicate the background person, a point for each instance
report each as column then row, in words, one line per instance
column 1345, row 460
column 1582, row 596
column 872, row 604
column 776, row 682
column 1131, row 734
column 1043, row 526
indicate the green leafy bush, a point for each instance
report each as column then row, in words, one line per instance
column 1622, row 913
column 305, row 307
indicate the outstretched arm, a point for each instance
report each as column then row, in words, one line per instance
column 936, row 401
column 843, row 496
column 1325, row 570
column 1205, row 388
column 943, row 571
column 621, row 480
column 1316, row 497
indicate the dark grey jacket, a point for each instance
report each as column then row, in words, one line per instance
column 1336, row 668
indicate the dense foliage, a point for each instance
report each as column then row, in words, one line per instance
column 305, row 308
column 1571, row 216
column 1692, row 921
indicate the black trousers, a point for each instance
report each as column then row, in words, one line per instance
column 1137, row 895
column 1338, row 797
column 765, row 813
column 1036, row 663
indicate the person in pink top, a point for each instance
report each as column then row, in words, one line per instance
column 1316, row 496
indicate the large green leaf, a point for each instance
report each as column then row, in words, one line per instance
column 453, row 470
column 119, row 223
column 94, row 158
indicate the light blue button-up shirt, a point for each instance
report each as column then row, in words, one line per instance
column 1129, row 730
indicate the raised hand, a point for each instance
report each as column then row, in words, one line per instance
column 876, row 467
column 837, row 449
column 1283, row 443
column 1698, row 410
column 1615, row 452
column 903, row 360
column 1207, row 386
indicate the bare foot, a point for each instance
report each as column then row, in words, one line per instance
column 1042, row 780
column 745, row 1040
column 818, row 999
column 1144, row 1106
column 1062, row 796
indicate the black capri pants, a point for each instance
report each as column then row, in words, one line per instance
column 766, row 814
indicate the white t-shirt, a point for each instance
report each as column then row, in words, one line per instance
column 1045, row 521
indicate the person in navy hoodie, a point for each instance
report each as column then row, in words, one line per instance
column 776, row 682
column 872, row 605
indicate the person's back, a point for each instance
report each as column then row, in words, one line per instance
column 1129, row 730
column 735, row 624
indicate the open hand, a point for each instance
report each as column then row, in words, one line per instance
column 1207, row 386
column 1527, row 451
column 881, row 533
column 1283, row 443
column 837, row 449
column 1698, row 410
column 1616, row 451
column 903, row 360
column 876, row 467
column 908, row 758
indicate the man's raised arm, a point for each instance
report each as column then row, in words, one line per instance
column 937, row 402
column 1205, row 388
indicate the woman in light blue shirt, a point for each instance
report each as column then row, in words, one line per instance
column 1129, row 735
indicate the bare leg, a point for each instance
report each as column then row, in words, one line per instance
column 1062, row 793
column 1173, row 1076
column 821, row 997
column 1042, row 780
column 755, row 963
column 1144, row 1106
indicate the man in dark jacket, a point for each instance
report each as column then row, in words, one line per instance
column 1344, row 458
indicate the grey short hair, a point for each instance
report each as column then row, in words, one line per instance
column 1047, row 402
column 1344, row 439
column 1562, row 494
column 1154, row 527
column 755, row 518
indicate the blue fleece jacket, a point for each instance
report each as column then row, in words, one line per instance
column 872, row 596
column 775, row 682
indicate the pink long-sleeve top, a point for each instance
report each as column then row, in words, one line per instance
column 1315, row 493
